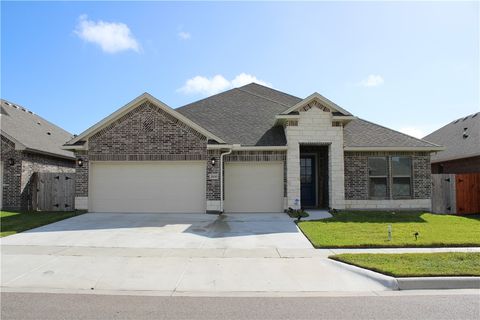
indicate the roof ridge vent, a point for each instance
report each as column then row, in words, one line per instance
column 465, row 134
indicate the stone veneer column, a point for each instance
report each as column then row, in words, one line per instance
column 315, row 127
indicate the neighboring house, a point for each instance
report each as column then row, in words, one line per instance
column 29, row 144
column 277, row 151
column 461, row 139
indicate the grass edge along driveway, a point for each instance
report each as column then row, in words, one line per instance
column 438, row 264
column 12, row 222
column 367, row 229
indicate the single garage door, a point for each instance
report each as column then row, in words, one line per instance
column 162, row 186
column 253, row 187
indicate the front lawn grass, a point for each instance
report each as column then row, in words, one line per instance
column 417, row 264
column 15, row 222
column 370, row 230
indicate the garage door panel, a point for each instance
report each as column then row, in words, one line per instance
column 148, row 187
column 254, row 187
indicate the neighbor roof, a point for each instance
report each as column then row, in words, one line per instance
column 452, row 137
column 246, row 116
column 31, row 131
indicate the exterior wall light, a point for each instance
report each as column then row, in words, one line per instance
column 212, row 161
column 80, row 162
column 11, row 161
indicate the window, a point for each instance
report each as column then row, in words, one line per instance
column 377, row 172
column 401, row 177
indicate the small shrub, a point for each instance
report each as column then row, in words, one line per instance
column 297, row 213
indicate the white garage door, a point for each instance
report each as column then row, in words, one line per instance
column 253, row 187
column 177, row 186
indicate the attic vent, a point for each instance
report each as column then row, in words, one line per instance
column 474, row 115
column 49, row 133
column 30, row 112
column 38, row 122
column 465, row 118
column 24, row 110
column 7, row 103
column 15, row 106
column 456, row 121
column 148, row 125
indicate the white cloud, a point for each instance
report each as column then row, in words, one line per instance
column 112, row 37
column 373, row 80
column 218, row 83
column 414, row 132
column 184, row 35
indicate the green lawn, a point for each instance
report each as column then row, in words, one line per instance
column 15, row 222
column 370, row 229
column 417, row 264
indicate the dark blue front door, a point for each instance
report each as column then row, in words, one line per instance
column 307, row 181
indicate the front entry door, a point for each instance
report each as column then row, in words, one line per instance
column 307, row 181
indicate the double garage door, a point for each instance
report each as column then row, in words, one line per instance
column 179, row 187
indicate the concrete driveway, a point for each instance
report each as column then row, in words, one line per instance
column 187, row 231
column 175, row 254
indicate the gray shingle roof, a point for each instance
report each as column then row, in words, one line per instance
column 451, row 137
column 31, row 130
column 246, row 115
column 362, row 133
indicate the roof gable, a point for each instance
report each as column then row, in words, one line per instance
column 319, row 101
column 132, row 105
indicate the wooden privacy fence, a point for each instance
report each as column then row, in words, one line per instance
column 456, row 193
column 53, row 191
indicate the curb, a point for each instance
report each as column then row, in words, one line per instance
column 425, row 283
column 387, row 281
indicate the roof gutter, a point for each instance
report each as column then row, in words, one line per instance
column 431, row 149
column 221, row 178
column 56, row 155
column 237, row 147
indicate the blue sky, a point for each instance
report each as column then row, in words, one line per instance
column 410, row 66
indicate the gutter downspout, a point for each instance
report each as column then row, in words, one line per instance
column 221, row 178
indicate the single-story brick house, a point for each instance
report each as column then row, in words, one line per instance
column 276, row 151
column 461, row 139
column 29, row 144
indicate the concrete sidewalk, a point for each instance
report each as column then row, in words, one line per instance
column 173, row 271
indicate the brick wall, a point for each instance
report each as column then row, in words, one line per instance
column 12, row 175
column 17, row 178
column 356, row 174
column 465, row 165
column 146, row 133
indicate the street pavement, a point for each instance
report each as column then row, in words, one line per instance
column 464, row 304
